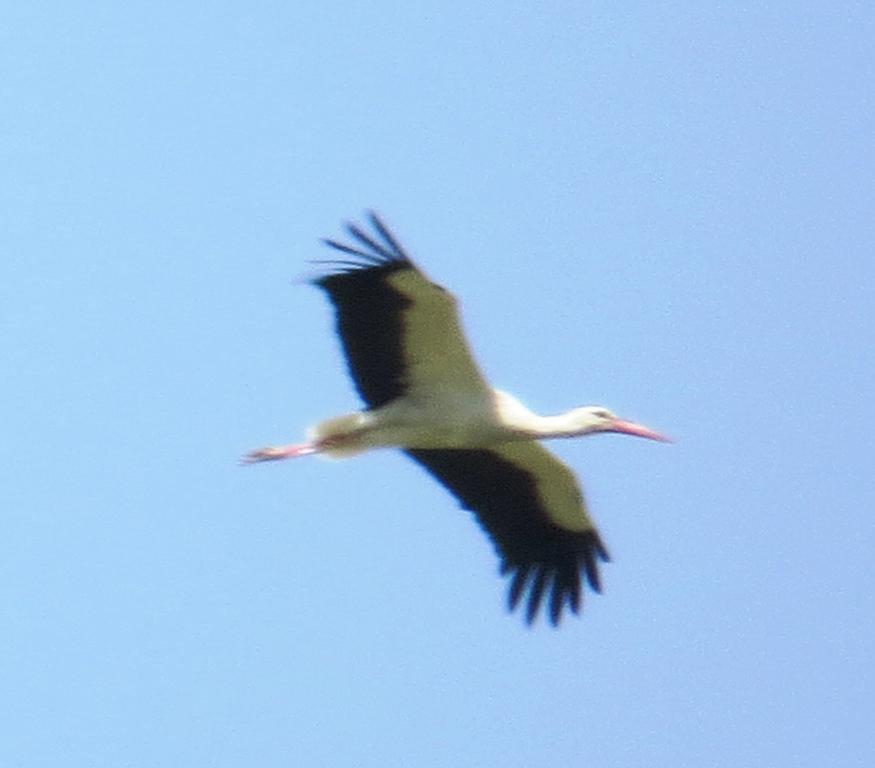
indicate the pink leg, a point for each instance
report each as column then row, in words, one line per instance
column 278, row 452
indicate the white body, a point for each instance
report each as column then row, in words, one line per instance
column 442, row 420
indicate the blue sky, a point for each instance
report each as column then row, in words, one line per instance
column 658, row 207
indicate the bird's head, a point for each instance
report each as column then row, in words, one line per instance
column 594, row 418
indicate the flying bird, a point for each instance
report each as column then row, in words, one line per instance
column 425, row 394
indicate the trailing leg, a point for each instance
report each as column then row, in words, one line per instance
column 279, row 452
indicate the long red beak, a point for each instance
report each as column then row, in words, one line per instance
column 639, row 430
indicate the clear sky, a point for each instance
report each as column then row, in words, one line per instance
column 658, row 207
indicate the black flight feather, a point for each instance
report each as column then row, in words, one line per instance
column 540, row 556
column 369, row 312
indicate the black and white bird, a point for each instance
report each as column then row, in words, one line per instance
column 425, row 394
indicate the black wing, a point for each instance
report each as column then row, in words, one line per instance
column 530, row 504
column 400, row 332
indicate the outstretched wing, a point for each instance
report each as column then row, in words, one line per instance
column 400, row 332
column 530, row 504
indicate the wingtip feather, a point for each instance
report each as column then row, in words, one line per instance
column 517, row 587
column 536, row 594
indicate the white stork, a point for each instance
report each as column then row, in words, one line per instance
column 425, row 394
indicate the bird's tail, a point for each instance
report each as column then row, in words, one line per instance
column 338, row 438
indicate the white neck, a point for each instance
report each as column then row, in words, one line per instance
column 519, row 419
column 560, row 425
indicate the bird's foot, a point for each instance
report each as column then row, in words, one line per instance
column 278, row 452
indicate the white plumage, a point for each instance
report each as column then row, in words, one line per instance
column 425, row 394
